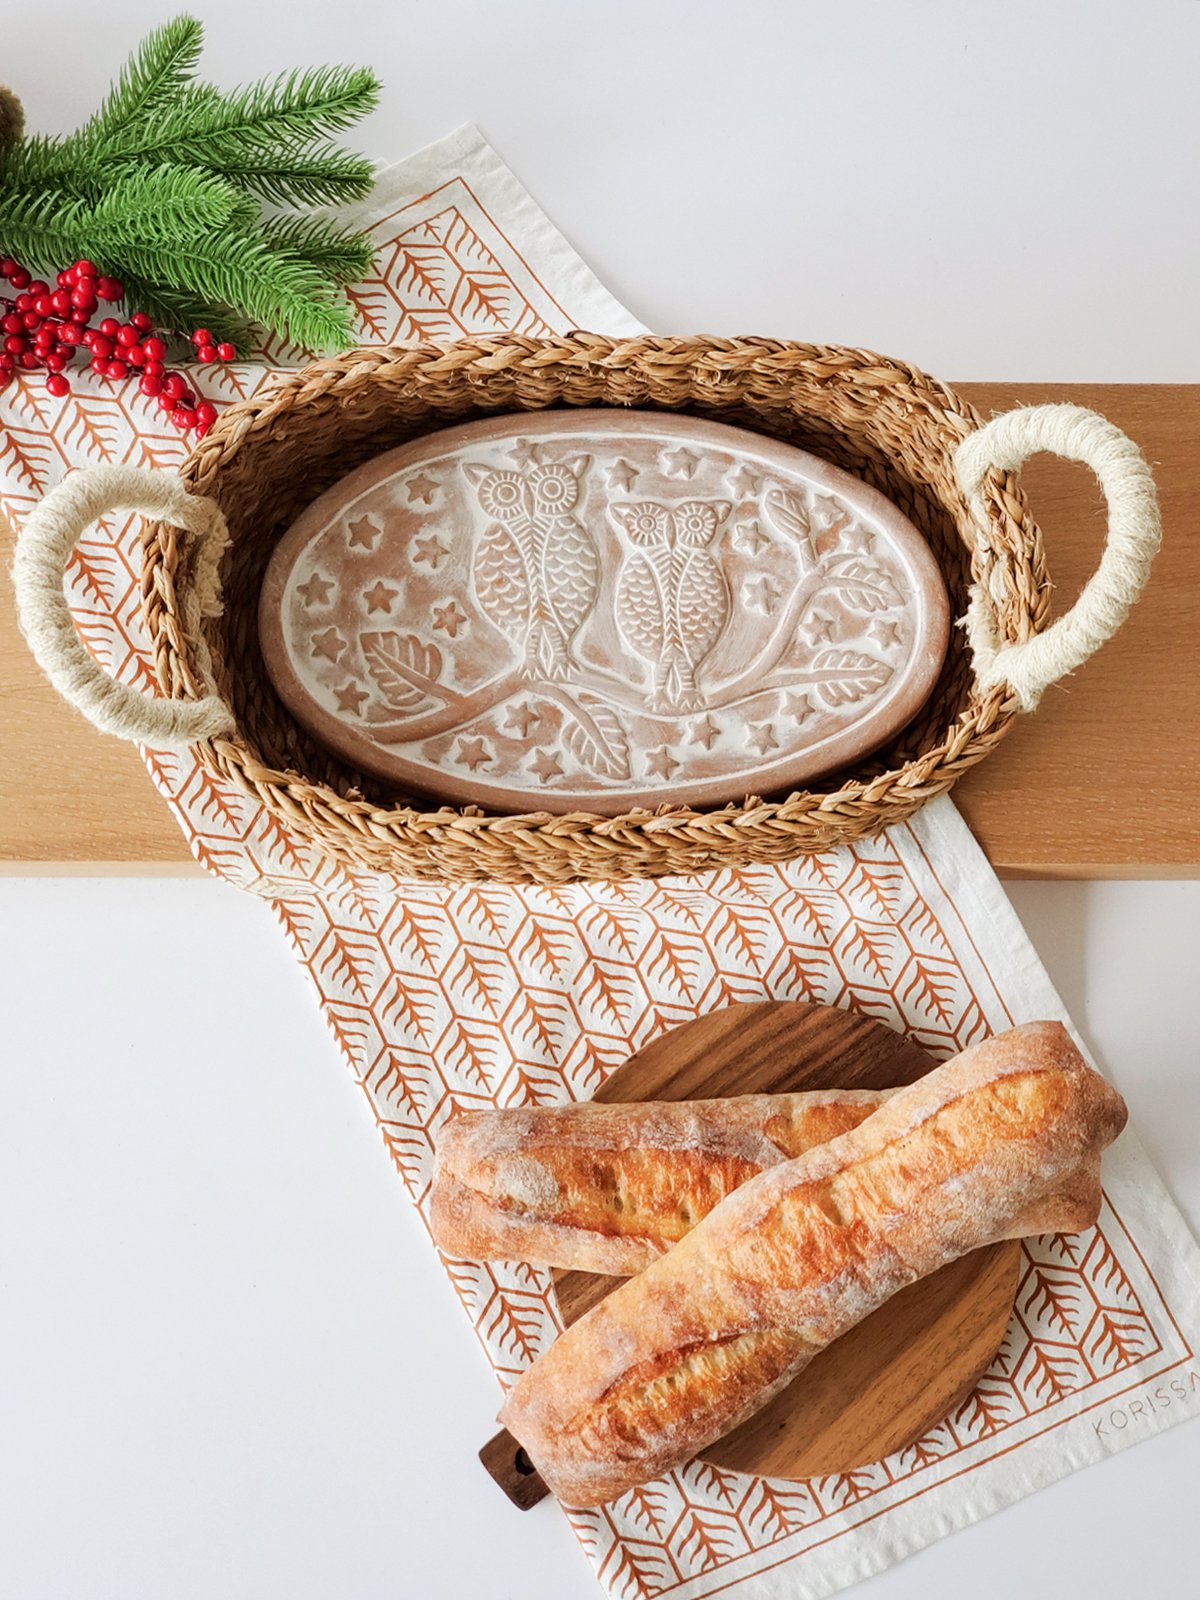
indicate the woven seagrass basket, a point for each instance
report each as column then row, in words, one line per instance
column 887, row 423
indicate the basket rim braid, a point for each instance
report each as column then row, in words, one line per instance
column 212, row 530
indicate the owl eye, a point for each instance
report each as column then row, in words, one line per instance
column 505, row 494
column 647, row 523
column 552, row 489
column 693, row 523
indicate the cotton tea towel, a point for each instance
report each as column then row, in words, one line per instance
column 443, row 999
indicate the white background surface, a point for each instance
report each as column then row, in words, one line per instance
column 229, row 1364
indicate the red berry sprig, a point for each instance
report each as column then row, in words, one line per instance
column 46, row 328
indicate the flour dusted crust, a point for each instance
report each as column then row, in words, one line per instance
column 797, row 1255
column 610, row 1188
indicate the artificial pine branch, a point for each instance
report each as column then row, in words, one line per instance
column 44, row 228
column 161, row 189
column 234, row 268
column 338, row 253
column 181, row 308
column 289, row 111
column 321, row 176
column 161, row 68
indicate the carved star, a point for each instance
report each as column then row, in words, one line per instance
column 762, row 594
column 819, row 630
column 525, row 453
column 856, row 539
column 622, row 476
column 522, row 717
column 705, row 733
column 886, row 633
column 745, row 481
column 329, row 644
column 363, row 534
column 380, row 597
column 661, row 763
column 316, row 591
column 473, row 753
column 546, row 766
column 750, row 537
column 351, row 698
column 430, row 549
column 449, row 618
column 422, row 487
column 680, row 463
column 798, row 706
column 762, row 737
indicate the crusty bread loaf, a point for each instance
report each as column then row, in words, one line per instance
column 610, row 1188
column 708, row 1333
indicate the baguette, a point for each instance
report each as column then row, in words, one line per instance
column 610, row 1188
column 707, row 1334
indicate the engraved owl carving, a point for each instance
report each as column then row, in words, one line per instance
column 672, row 599
column 536, row 570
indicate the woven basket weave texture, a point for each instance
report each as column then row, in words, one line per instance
column 885, row 422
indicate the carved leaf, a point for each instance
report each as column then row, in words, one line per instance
column 840, row 677
column 790, row 516
column 404, row 668
column 595, row 737
column 862, row 587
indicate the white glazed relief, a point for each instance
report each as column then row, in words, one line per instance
column 558, row 618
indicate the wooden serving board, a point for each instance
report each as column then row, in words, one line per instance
column 1098, row 783
column 898, row 1373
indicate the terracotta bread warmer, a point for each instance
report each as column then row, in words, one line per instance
column 268, row 458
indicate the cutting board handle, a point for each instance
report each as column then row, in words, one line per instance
column 1134, row 534
column 506, row 1461
column 44, row 548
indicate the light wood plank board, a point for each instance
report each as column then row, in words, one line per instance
column 1099, row 782
column 892, row 1378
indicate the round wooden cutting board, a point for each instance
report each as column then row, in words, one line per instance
column 898, row 1373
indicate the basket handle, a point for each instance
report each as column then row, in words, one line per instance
column 44, row 547
column 1134, row 534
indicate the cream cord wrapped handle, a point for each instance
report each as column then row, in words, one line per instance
column 43, row 550
column 1134, row 534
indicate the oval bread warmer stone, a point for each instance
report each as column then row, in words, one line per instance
column 601, row 610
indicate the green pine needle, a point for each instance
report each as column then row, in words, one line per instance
column 163, row 204
column 162, row 187
column 162, row 65
column 179, row 311
column 337, row 253
column 289, row 112
column 271, row 287
column 322, row 176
